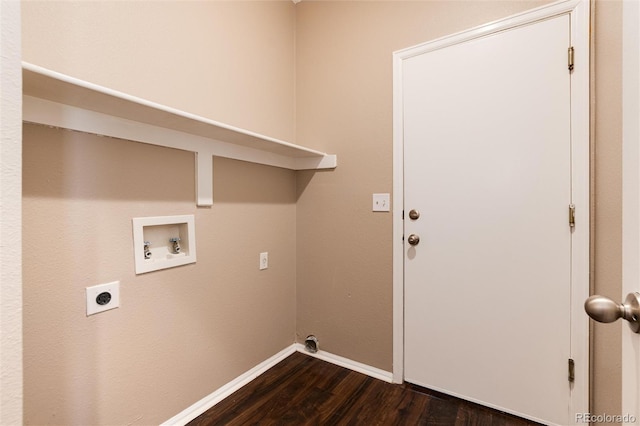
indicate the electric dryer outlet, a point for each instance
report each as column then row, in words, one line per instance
column 103, row 297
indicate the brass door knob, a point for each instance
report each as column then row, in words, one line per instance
column 413, row 239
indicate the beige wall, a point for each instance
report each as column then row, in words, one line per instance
column 179, row 334
column 344, row 95
column 10, row 216
column 344, row 105
column 319, row 73
column 607, row 200
column 229, row 60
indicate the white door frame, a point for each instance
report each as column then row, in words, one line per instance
column 630, row 199
column 579, row 11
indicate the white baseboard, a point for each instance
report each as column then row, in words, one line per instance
column 218, row 395
column 348, row 363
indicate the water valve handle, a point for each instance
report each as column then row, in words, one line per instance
column 147, row 251
column 176, row 244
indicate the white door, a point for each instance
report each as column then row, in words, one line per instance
column 487, row 164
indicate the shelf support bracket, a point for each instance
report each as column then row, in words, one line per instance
column 204, row 179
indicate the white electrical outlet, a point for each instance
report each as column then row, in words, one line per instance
column 264, row 260
column 103, row 297
column 381, row 203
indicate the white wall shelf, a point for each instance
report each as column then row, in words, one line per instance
column 58, row 100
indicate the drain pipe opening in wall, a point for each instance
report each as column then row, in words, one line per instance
column 311, row 344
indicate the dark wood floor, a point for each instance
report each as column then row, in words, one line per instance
column 302, row 390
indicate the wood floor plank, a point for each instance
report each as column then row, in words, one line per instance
column 302, row 390
column 251, row 397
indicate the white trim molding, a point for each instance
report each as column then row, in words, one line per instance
column 350, row 364
column 579, row 12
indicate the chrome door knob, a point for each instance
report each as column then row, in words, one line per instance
column 603, row 309
column 413, row 239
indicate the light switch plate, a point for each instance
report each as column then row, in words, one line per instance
column 381, row 202
column 264, row 260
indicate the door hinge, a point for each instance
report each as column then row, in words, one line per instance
column 572, row 215
column 570, row 58
column 572, row 370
